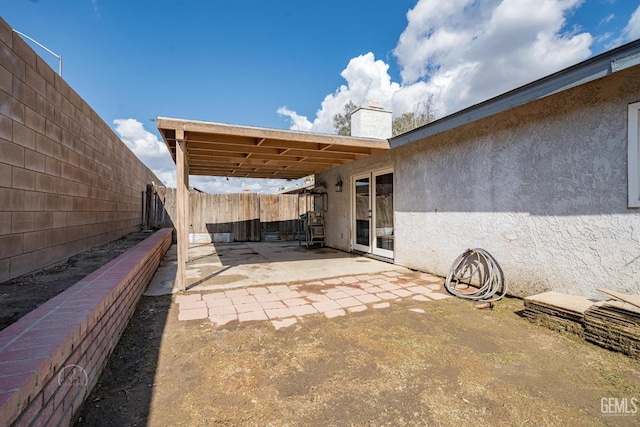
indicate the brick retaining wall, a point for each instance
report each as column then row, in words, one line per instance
column 51, row 358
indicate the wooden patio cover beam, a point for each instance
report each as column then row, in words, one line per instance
column 216, row 149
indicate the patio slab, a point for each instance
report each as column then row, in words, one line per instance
column 220, row 266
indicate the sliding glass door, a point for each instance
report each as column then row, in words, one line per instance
column 372, row 213
column 361, row 212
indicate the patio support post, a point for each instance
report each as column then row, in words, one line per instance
column 182, row 202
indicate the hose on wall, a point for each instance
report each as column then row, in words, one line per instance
column 476, row 275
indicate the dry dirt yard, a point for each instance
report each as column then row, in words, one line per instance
column 446, row 364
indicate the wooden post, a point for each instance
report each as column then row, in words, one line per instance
column 181, row 228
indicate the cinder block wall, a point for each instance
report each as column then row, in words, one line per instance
column 67, row 182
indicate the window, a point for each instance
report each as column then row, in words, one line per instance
column 633, row 159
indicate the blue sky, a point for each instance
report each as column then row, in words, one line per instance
column 293, row 64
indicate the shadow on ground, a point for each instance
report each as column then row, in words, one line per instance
column 122, row 396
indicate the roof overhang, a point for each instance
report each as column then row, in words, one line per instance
column 217, row 149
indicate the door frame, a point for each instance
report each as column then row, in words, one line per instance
column 371, row 248
column 352, row 223
column 373, row 230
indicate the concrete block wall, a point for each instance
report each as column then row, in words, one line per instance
column 67, row 182
column 51, row 358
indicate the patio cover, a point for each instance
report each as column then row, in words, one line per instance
column 217, row 149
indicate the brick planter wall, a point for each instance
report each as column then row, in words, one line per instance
column 51, row 358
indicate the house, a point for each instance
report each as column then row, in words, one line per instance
column 545, row 177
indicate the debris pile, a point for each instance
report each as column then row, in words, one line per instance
column 613, row 324
column 557, row 311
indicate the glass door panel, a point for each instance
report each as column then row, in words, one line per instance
column 383, row 214
column 372, row 204
column 362, row 213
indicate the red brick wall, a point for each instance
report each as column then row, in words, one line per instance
column 78, row 328
column 67, row 182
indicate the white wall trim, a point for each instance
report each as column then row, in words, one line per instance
column 633, row 158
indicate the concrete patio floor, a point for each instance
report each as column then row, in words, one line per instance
column 221, row 266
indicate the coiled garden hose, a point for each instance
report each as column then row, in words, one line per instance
column 475, row 275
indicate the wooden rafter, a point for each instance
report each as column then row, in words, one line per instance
column 216, row 149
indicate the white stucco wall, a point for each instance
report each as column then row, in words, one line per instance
column 543, row 187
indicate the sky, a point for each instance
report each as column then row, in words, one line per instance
column 292, row 64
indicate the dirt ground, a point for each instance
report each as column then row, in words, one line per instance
column 439, row 363
column 23, row 294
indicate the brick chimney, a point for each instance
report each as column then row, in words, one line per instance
column 371, row 120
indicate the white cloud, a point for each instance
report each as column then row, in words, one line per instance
column 143, row 143
column 155, row 155
column 632, row 30
column 148, row 148
column 462, row 52
column 216, row 185
column 367, row 78
column 96, row 11
column 607, row 19
column 298, row 122
column 467, row 51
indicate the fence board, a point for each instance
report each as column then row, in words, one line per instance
column 248, row 216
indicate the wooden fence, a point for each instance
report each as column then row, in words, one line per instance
column 246, row 217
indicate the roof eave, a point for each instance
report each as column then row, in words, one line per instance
column 219, row 149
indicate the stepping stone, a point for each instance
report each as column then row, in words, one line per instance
column 222, row 310
column 279, row 313
column 382, row 305
column 219, row 302
column 221, row 320
column 284, row 323
column 334, row 313
column 236, row 293
column 324, row 306
column 193, row 314
column 366, row 299
column 348, row 302
column 437, row 296
column 217, row 295
column 187, row 298
column 252, row 316
column 189, row 305
column 303, row 310
column 386, row 295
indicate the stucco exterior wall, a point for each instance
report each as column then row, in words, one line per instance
column 67, row 182
column 543, row 187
